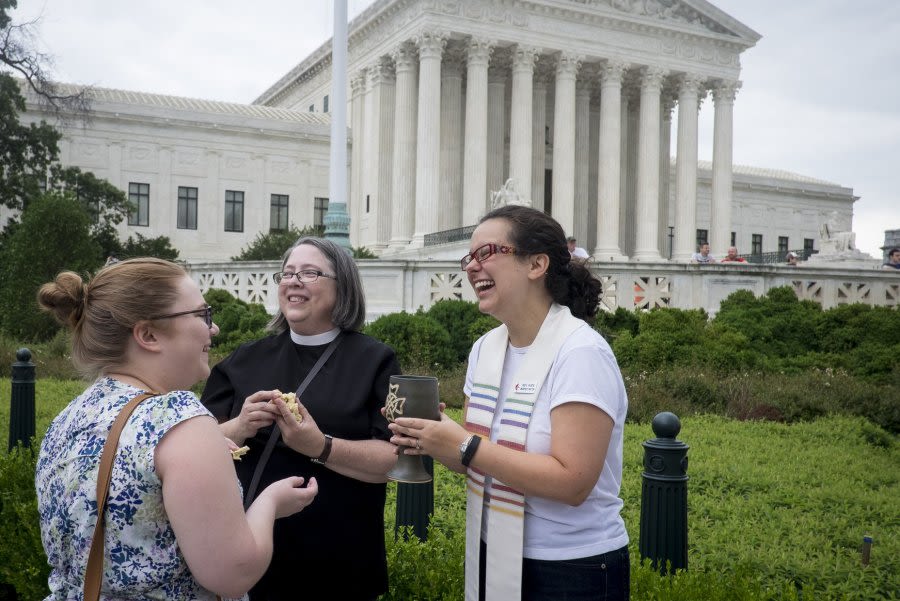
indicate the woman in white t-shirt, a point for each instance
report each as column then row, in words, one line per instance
column 545, row 411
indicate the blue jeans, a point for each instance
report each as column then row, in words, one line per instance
column 605, row 577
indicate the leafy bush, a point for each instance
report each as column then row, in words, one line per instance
column 482, row 326
column 238, row 321
column 416, row 338
column 666, row 336
column 612, row 324
column 139, row 246
column 270, row 246
column 361, row 252
column 457, row 317
column 23, row 563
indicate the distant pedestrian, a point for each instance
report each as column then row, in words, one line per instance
column 703, row 255
column 732, row 256
column 893, row 261
column 792, row 258
column 576, row 251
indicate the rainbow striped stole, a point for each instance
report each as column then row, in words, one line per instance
column 506, row 519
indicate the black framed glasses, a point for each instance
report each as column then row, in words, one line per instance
column 206, row 312
column 485, row 252
column 307, row 276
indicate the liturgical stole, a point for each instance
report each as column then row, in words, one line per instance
column 506, row 518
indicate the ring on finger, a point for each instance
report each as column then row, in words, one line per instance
column 418, row 444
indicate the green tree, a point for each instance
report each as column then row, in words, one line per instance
column 271, row 245
column 53, row 236
column 27, row 151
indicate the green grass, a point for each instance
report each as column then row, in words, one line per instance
column 773, row 509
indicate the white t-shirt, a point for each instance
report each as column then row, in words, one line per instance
column 699, row 258
column 585, row 371
column 580, row 253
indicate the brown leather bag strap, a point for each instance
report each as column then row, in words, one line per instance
column 93, row 575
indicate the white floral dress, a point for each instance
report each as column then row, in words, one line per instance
column 142, row 557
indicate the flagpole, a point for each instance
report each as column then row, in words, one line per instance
column 337, row 221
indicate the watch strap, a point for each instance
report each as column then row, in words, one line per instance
column 321, row 459
column 469, row 453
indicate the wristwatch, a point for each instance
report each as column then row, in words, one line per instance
column 467, row 449
column 321, row 459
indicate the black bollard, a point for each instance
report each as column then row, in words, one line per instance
column 415, row 503
column 664, row 496
column 21, row 400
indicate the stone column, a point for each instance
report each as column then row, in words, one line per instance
column 475, row 192
column 404, row 177
column 564, row 141
column 667, row 104
column 686, row 168
column 450, row 214
column 582, row 154
column 720, row 208
column 609, row 178
column 356, row 195
column 538, row 139
column 647, row 197
column 497, row 74
column 380, row 139
column 520, row 119
column 428, row 139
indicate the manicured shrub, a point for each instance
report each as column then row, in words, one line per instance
column 270, row 246
column 457, row 317
column 23, row 563
column 416, row 338
column 612, row 323
column 482, row 326
column 238, row 321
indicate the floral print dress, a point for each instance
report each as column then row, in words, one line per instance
column 142, row 559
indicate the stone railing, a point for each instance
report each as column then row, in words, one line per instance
column 392, row 286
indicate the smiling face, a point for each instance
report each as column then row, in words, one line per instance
column 187, row 338
column 501, row 281
column 308, row 307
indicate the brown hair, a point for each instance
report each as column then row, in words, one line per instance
column 102, row 312
column 569, row 282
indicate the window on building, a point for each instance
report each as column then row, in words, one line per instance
column 733, row 238
column 234, row 211
column 139, row 197
column 782, row 245
column 702, row 237
column 278, row 213
column 187, row 208
column 807, row 246
column 312, row 108
column 325, row 104
column 320, row 207
column 756, row 244
column 367, row 203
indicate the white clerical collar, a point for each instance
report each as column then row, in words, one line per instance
column 316, row 339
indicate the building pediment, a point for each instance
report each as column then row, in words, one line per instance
column 698, row 15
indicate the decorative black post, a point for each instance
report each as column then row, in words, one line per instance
column 415, row 503
column 21, row 410
column 664, row 496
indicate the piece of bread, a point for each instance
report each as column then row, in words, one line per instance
column 238, row 453
column 290, row 399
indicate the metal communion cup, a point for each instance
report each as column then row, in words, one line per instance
column 411, row 396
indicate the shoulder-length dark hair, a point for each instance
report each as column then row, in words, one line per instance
column 349, row 311
column 569, row 283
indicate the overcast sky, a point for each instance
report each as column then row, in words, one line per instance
column 820, row 96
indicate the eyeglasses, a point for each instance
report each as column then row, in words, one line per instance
column 485, row 252
column 307, row 276
column 206, row 312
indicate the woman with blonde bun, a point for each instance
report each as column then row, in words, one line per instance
column 175, row 527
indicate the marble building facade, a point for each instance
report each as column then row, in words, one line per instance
column 589, row 106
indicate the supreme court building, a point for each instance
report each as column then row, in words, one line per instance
column 573, row 101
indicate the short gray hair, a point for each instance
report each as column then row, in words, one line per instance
column 349, row 311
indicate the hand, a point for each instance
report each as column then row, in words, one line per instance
column 303, row 436
column 256, row 413
column 440, row 439
column 289, row 496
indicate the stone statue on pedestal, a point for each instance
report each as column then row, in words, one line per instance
column 838, row 248
column 507, row 195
